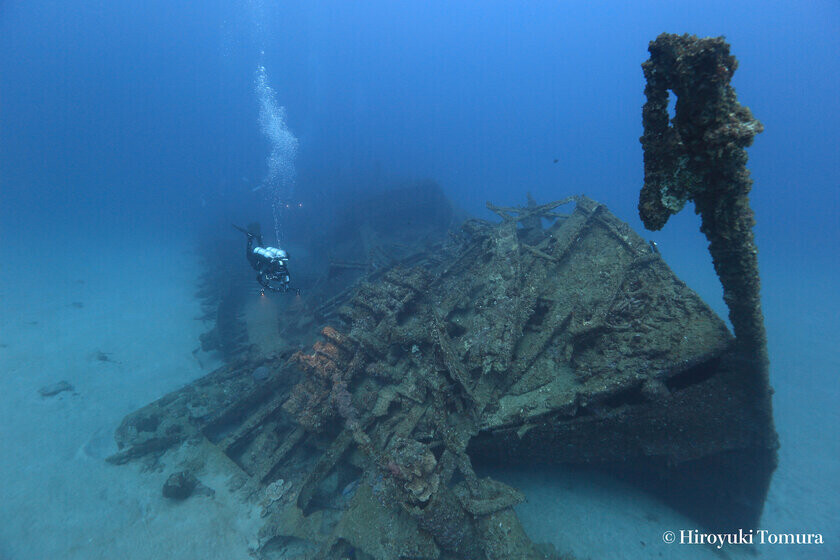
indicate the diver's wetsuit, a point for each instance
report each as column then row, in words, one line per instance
column 269, row 262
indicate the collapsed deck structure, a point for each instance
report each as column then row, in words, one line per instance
column 571, row 343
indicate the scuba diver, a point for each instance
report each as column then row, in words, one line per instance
column 269, row 262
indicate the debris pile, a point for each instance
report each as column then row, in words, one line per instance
column 547, row 337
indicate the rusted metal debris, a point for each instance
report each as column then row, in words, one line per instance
column 572, row 343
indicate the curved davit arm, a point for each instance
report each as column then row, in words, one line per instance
column 700, row 156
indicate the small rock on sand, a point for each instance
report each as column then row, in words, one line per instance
column 55, row 388
column 179, row 485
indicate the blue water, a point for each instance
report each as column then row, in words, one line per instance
column 134, row 127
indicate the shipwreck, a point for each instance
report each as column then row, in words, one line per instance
column 554, row 334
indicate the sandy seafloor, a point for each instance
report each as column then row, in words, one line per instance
column 60, row 500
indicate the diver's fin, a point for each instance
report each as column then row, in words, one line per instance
column 254, row 229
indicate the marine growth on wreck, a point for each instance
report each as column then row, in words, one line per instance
column 552, row 334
